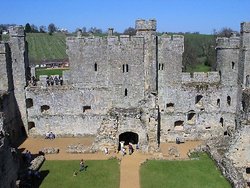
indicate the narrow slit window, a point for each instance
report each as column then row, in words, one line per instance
column 126, row 92
column 229, row 100
column 126, row 67
column 29, row 102
column 233, row 65
column 222, row 122
column 123, row 68
column 95, row 66
column 162, row 66
column 218, row 102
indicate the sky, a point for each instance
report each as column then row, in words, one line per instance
column 202, row 16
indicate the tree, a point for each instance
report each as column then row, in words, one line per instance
column 51, row 28
column 225, row 32
column 42, row 29
column 34, row 28
column 129, row 31
column 28, row 28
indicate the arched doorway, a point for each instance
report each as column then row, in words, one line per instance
column 129, row 137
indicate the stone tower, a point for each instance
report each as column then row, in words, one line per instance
column 245, row 54
column 147, row 29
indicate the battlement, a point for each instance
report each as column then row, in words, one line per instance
column 245, row 27
column 165, row 37
column 16, row 31
column 201, row 77
column 110, row 40
column 232, row 42
column 145, row 25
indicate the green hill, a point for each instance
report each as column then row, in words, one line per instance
column 45, row 47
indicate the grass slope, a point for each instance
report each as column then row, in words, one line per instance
column 178, row 174
column 43, row 46
column 103, row 174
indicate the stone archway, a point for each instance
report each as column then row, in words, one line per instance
column 129, row 137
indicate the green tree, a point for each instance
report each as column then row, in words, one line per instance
column 51, row 28
column 28, row 28
column 130, row 31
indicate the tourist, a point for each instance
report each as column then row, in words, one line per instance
column 52, row 135
column 106, row 151
column 47, row 135
column 56, row 80
column 82, row 165
column 47, row 81
column 61, row 80
column 178, row 141
column 130, row 149
column 51, row 80
column 123, row 150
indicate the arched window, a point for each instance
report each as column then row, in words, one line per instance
column 218, row 102
column 222, row 121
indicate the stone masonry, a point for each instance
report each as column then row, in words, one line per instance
column 132, row 89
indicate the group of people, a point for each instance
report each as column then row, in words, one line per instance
column 50, row 135
column 130, row 149
column 50, row 81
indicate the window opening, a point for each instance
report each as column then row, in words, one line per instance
column 31, row 125
column 191, row 117
column 45, row 108
column 84, row 108
column 126, row 67
column 29, row 102
column 198, row 99
column 218, row 102
column 233, row 65
column 95, row 66
column 178, row 125
column 126, row 92
column 170, row 105
column 229, row 100
column 222, row 122
column 123, row 68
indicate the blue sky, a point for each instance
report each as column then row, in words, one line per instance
column 171, row 15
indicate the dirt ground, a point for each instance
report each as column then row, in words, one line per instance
column 130, row 164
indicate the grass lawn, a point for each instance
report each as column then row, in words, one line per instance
column 43, row 46
column 199, row 68
column 200, row 173
column 43, row 71
column 103, row 173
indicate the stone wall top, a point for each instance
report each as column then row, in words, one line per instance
column 110, row 40
column 227, row 43
column 145, row 25
column 17, row 31
column 200, row 77
column 245, row 27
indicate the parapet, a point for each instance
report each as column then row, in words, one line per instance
column 2, row 48
column 201, row 77
column 245, row 27
column 227, row 43
column 144, row 25
column 16, row 31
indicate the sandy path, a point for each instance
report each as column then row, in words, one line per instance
column 130, row 164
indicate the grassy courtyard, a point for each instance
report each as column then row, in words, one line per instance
column 103, row 173
column 178, row 174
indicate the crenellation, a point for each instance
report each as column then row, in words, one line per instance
column 145, row 25
column 16, row 31
column 201, row 77
column 228, row 43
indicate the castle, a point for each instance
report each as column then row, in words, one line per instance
column 128, row 88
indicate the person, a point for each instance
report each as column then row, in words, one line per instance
column 130, row 149
column 123, row 151
column 82, row 166
column 61, row 80
column 51, row 135
column 47, row 135
column 178, row 141
column 47, row 81
column 56, row 80
column 106, row 151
